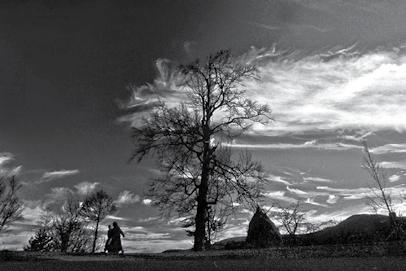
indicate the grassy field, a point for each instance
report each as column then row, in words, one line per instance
column 385, row 256
column 258, row 263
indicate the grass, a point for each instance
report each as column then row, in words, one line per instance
column 387, row 256
column 258, row 263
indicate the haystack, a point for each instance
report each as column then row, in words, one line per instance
column 262, row 232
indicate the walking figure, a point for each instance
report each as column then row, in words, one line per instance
column 115, row 244
column 108, row 242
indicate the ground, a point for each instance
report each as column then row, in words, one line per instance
column 262, row 263
column 199, row 261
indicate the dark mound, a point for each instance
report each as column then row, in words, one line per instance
column 262, row 232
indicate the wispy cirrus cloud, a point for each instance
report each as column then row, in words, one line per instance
column 394, row 178
column 279, row 196
column 57, row 174
column 278, row 179
column 364, row 192
column 334, row 90
column 393, row 164
column 119, row 218
column 389, row 148
column 326, row 90
column 289, row 26
column 306, row 145
column 317, row 179
column 311, row 201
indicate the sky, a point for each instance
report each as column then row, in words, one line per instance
column 332, row 71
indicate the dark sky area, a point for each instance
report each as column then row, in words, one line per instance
column 65, row 64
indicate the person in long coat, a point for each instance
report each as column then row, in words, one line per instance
column 108, row 242
column 115, row 245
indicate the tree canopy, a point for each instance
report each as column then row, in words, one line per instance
column 198, row 169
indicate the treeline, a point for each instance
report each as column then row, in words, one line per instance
column 75, row 228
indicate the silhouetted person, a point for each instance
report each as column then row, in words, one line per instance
column 107, row 247
column 115, row 245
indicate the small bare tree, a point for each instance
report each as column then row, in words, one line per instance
column 382, row 196
column 188, row 138
column 10, row 204
column 291, row 219
column 64, row 231
column 67, row 225
column 66, row 228
column 95, row 208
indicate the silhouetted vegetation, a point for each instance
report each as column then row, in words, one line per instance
column 291, row 219
column 10, row 204
column 67, row 231
column 95, row 208
column 198, row 171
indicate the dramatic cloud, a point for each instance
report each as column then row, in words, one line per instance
column 333, row 90
column 51, row 175
column 127, row 197
column 330, row 90
column 163, row 88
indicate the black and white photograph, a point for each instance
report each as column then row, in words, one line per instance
column 202, row 135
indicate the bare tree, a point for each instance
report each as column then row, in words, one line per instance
column 67, row 226
column 10, row 204
column 291, row 219
column 189, row 137
column 382, row 197
column 95, row 208
column 64, row 231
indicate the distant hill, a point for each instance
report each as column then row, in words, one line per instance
column 356, row 228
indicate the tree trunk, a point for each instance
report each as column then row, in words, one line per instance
column 200, row 219
column 95, row 236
